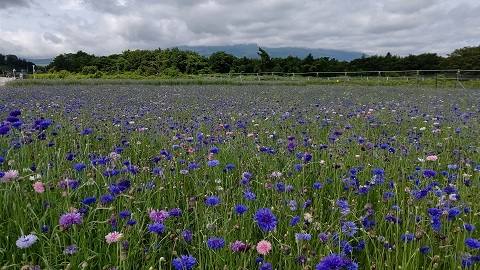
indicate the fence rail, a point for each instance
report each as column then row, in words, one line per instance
column 451, row 78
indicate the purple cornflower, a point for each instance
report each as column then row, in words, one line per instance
column 239, row 246
column 72, row 249
column 323, row 237
column 240, row 209
column 292, row 204
column 187, row 236
column 158, row 216
column 68, row 219
column 156, row 227
column 266, row 219
column 215, row 242
column 185, row 262
column 212, row 201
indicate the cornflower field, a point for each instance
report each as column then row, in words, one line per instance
column 239, row 177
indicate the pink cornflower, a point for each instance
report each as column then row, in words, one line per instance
column 113, row 237
column 431, row 158
column 159, row 216
column 264, row 247
column 9, row 175
column 38, row 187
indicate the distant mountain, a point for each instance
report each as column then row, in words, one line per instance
column 250, row 51
column 40, row 61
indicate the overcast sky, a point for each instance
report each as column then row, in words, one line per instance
column 47, row 28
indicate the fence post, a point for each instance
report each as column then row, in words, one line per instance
column 418, row 74
column 436, row 81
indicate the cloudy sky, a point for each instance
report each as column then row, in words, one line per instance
column 47, row 28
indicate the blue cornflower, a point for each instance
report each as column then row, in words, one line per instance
column 349, row 228
column 336, row 261
column 229, row 167
column 303, row 236
column 292, row 204
column 89, row 200
column 346, row 247
column 266, row 266
column 175, row 212
column 240, row 209
column 407, row 237
column 70, row 156
column 79, row 167
column 213, row 163
column 131, row 222
column 317, row 185
column 215, row 242
column 124, row 214
column 294, row 221
column 249, row 195
column 469, row 227
column 306, row 204
column 214, row 150
column 297, row 167
column 185, row 262
column 106, row 199
column 378, row 171
column 156, row 227
column 453, row 213
column 472, row 243
column 436, row 223
column 266, row 219
column 429, row 173
column 87, row 131
column 280, row 187
column 109, row 173
column 425, row 249
column 212, row 201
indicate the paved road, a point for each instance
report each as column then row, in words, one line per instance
column 3, row 80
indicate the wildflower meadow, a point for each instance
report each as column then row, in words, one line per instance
column 239, row 177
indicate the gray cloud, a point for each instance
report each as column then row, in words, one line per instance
column 15, row 3
column 369, row 26
column 53, row 38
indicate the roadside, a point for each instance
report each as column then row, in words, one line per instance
column 3, row 80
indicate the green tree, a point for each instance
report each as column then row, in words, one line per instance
column 464, row 58
column 221, row 62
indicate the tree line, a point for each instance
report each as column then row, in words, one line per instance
column 175, row 62
column 9, row 62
